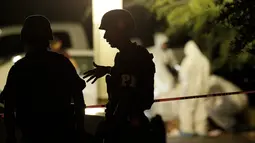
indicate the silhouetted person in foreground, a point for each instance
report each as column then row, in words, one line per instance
column 130, row 82
column 39, row 91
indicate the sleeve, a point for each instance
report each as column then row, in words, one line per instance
column 76, row 82
column 10, row 88
column 9, row 97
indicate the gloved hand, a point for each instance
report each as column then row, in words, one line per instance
column 97, row 73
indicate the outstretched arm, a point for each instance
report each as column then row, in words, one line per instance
column 97, row 73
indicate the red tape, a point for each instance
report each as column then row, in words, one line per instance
column 186, row 97
column 180, row 98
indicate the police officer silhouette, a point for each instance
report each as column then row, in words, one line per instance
column 130, row 82
column 40, row 88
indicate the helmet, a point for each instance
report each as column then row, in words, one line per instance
column 36, row 28
column 118, row 18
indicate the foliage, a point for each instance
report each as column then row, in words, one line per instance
column 240, row 16
column 204, row 21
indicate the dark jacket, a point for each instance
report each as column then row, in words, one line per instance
column 40, row 88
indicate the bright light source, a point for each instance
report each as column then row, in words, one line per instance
column 16, row 58
column 94, row 111
column 104, row 55
column 100, row 7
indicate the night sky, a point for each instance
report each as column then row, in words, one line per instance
column 15, row 11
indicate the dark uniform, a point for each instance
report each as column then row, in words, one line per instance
column 130, row 82
column 40, row 88
column 43, row 86
column 131, row 91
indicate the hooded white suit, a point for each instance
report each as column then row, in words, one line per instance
column 194, row 79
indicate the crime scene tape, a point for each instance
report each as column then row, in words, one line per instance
column 186, row 97
column 180, row 98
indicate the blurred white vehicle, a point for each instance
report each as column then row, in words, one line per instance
column 83, row 58
column 72, row 35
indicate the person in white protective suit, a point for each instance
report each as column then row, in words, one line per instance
column 225, row 108
column 168, row 110
column 194, row 77
column 163, row 80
